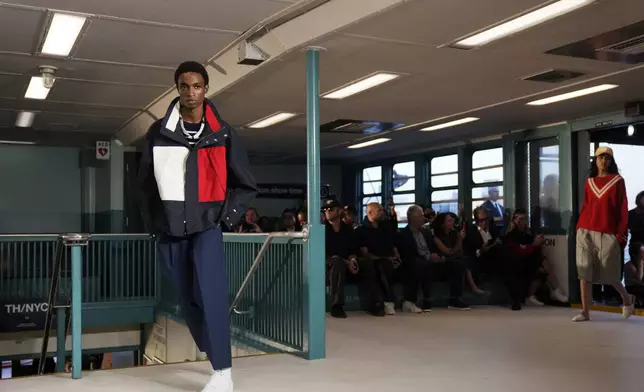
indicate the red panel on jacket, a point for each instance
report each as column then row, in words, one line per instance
column 211, row 163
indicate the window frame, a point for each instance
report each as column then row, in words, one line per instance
column 473, row 185
column 429, row 174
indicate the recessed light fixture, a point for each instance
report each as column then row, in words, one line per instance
column 371, row 142
column 272, row 120
column 25, row 119
column 573, row 94
column 37, row 89
column 521, row 23
column 62, row 34
column 630, row 131
column 451, row 123
column 16, row 142
column 361, row 85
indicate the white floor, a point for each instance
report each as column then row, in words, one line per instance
column 535, row 350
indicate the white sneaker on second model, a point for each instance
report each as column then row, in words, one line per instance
column 533, row 301
column 389, row 308
column 221, row 381
column 627, row 310
column 411, row 307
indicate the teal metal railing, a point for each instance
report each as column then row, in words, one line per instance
column 116, row 268
column 266, row 278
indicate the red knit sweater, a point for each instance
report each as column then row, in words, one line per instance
column 605, row 208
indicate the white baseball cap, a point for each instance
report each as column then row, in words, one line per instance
column 604, row 150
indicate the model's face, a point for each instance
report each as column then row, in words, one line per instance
column 603, row 162
column 192, row 89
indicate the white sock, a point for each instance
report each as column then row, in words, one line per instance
column 224, row 372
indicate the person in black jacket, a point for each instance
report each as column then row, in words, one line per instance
column 195, row 175
column 636, row 219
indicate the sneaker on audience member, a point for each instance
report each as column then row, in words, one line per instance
column 221, row 381
column 427, row 306
column 411, row 307
column 627, row 310
column 559, row 296
column 580, row 318
column 458, row 304
column 338, row 312
column 533, row 301
column 389, row 309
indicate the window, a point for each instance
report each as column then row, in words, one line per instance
column 371, row 187
column 444, row 183
column 404, row 187
column 487, row 176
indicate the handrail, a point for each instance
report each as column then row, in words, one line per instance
column 304, row 234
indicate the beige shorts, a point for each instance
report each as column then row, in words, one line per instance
column 599, row 257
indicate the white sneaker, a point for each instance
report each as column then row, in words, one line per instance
column 558, row 295
column 411, row 307
column 533, row 301
column 580, row 318
column 221, row 381
column 389, row 309
column 627, row 311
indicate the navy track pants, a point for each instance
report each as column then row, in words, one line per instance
column 196, row 266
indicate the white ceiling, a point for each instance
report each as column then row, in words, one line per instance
column 124, row 60
column 440, row 82
column 128, row 54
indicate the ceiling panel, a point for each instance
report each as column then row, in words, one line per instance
column 88, row 70
column 107, row 94
column 20, row 29
column 237, row 15
column 143, row 44
column 70, row 122
column 447, row 19
column 64, row 107
column 12, row 86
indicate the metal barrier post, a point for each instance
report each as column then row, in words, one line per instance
column 76, row 242
column 61, row 339
column 315, row 298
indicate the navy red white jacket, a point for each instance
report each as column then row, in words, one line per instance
column 187, row 190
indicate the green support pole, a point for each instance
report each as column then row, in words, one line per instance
column 77, row 333
column 77, row 242
column 315, row 261
column 60, row 339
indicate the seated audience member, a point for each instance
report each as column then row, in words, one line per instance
column 341, row 256
column 449, row 242
column 530, row 265
column 421, row 263
column 250, row 222
column 349, row 216
column 634, row 272
column 483, row 245
column 375, row 239
column 287, row 221
column 430, row 215
column 302, row 218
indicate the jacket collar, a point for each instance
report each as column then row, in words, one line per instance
column 171, row 128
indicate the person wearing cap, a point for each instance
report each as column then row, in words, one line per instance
column 602, row 231
column 195, row 176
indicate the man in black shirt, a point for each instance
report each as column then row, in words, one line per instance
column 340, row 254
column 376, row 241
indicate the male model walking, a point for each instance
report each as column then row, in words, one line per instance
column 194, row 176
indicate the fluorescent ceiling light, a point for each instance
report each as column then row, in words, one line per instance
column 573, row 94
column 62, row 34
column 370, row 143
column 523, row 22
column 271, row 120
column 25, row 119
column 451, row 123
column 361, row 85
column 36, row 89
column 16, row 142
